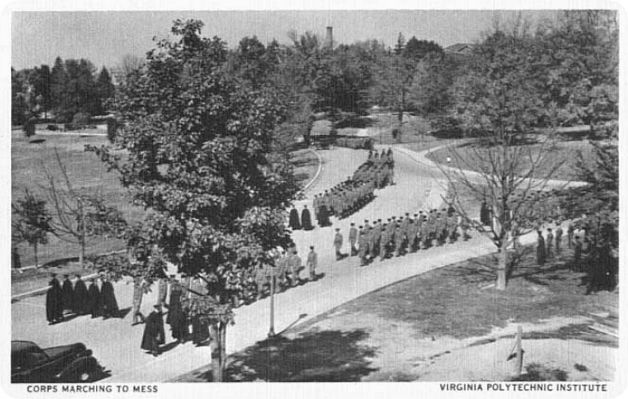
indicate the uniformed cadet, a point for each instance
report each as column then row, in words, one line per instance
column 261, row 279
column 363, row 246
column 312, row 263
column 383, row 242
column 376, row 233
column 399, row 239
column 338, row 244
column 294, row 266
column 353, row 237
column 452, row 225
column 405, row 222
column 411, row 232
column 281, row 270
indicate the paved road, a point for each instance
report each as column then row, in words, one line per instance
column 116, row 344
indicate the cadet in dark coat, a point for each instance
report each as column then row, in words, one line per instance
column 80, row 296
column 109, row 300
column 306, row 219
column 176, row 318
column 67, row 294
column 540, row 249
column 323, row 216
column 154, row 332
column 54, row 305
column 94, row 302
column 294, row 219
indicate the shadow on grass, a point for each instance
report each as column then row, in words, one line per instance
column 323, row 356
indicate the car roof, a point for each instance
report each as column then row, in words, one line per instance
column 22, row 346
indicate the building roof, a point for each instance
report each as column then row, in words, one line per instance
column 460, row 48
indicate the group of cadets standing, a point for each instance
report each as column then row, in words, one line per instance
column 77, row 299
column 355, row 192
column 397, row 236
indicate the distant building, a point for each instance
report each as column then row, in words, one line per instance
column 329, row 38
column 460, row 48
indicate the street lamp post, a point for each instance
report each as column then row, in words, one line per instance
column 271, row 331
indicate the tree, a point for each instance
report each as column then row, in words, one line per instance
column 79, row 216
column 392, row 84
column 58, row 82
column 200, row 161
column 416, row 49
column 104, row 85
column 499, row 102
column 31, row 222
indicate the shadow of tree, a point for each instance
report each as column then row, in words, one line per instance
column 324, row 356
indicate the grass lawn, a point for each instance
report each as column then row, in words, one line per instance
column 28, row 162
column 382, row 335
column 305, row 164
column 86, row 172
column 565, row 150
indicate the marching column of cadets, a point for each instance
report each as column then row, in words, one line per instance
column 351, row 195
column 400, row 235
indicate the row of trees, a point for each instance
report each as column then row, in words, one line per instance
column 69, row 87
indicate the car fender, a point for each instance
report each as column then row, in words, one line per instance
column 74, row 369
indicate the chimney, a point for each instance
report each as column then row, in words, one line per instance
column 329, row 38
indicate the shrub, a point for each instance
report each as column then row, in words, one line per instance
column 52, row 127
column 112, row 126
column 81, row 118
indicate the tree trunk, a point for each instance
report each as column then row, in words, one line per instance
column 82, row 253
column 502, row 271
column 223, row 349
column 82, row 237
column 36, row 257
column 217, row 348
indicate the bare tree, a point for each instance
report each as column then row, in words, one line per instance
column 497, row 102
column 78, row 216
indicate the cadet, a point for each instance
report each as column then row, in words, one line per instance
column 362, row 242
column 399, row 237
column 353, row 237
column 549, row 241
column 383, row 242
column 312, row 263
column 558, row 238
column 338, row 244
column 375, row 237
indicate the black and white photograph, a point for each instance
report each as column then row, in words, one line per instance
column 422, row 198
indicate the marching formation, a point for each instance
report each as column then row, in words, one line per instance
column 400, row 235
column 355, row 192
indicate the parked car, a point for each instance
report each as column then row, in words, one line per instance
column 66, row 363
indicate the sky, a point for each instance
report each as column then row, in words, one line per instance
column 104, row 37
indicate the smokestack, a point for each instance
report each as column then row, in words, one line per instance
column 329, row 38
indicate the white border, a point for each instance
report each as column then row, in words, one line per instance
column 278, row 390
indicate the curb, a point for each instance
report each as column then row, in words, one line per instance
column 318, row 170
column 39, row 291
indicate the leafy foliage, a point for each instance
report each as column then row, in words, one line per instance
column 31, row 222
column 200, row 160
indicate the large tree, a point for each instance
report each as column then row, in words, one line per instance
column 200, row 161
column 497, row 99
